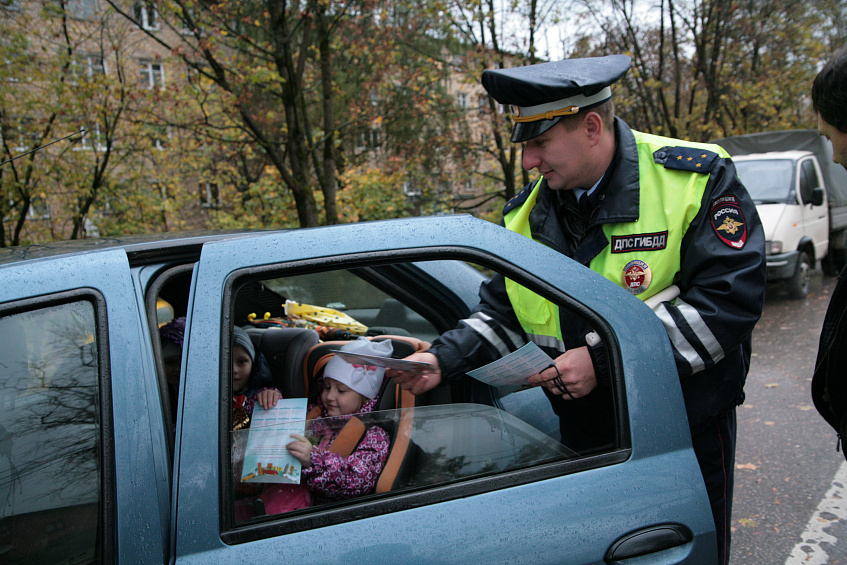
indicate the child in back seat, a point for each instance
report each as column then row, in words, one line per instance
column 345, row 389
column 247, row 391
column 249, row 384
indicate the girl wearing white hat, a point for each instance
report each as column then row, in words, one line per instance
column 345, row 389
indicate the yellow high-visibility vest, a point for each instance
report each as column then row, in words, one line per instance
column 642, row 256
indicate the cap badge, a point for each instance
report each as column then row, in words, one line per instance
column 637, row 276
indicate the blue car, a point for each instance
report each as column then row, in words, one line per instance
column 108, row 454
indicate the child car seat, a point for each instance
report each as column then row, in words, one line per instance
column 285, row 350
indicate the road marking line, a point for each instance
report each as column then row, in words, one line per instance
column 832, row 508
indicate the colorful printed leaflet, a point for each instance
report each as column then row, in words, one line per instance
column 266, row 459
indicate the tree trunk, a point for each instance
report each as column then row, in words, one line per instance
column 329, row 182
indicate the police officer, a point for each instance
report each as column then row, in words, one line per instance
column 648, row 213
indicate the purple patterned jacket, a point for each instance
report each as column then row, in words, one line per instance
column 333, row 477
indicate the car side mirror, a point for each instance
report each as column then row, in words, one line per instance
column 817, row 196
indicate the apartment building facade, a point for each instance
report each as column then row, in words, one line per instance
column 105, row 70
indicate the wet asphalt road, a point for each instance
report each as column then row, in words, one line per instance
column 785, row 459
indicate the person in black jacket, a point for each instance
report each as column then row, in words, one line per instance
column 829, row 382
column 647, row 212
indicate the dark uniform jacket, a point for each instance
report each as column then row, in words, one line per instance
column 829, row 383
column 721, row 285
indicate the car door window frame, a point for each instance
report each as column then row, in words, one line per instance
column 152, row 293
column 380, row 504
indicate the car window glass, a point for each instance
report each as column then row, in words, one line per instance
column 49, row 436
column 805, row 182
column 361, row 304
column 767, row 180
column 461, row 441
column 532, row 407
column 808, row 180
column 458, row 431
column 429, row 445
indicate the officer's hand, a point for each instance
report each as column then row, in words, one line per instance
column 575, row 377
column 418, row 383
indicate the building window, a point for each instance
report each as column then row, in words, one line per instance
column 152, row 73
column 87, row 66
column 462, row 100
column 410, row 189
column 82, row 9
column 38, row 209
column 482, row 103
column 92, row 139
column 189, row 18
column 17, row 58
column 160, row 136
column 369, row 139
column 107, row 208
column 23, row 134
column 160, row 188
column 210, row 196
column 146, row 15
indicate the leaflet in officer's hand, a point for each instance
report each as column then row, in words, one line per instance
column 387, row 362
column 509, row 373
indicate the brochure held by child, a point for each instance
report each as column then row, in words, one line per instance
column 266, row 459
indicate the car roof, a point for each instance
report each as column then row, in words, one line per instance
column 139, row 248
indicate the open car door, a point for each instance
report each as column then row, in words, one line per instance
column 486, row 485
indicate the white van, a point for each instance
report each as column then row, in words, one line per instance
column 801, row 197
column 791, row 200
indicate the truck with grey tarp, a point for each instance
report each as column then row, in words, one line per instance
column 801, row 197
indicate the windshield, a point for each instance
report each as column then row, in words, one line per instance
column 767, row 181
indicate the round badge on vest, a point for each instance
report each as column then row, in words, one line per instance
column 637, row 276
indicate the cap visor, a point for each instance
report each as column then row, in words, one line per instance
column 527, row 130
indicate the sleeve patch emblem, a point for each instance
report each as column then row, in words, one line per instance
column 728, row 221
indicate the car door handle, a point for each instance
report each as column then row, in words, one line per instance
column 648, row 540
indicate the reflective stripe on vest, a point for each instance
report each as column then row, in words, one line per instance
column 642, row 256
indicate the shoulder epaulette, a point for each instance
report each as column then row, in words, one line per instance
column 686, row 159
column 518, row 198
